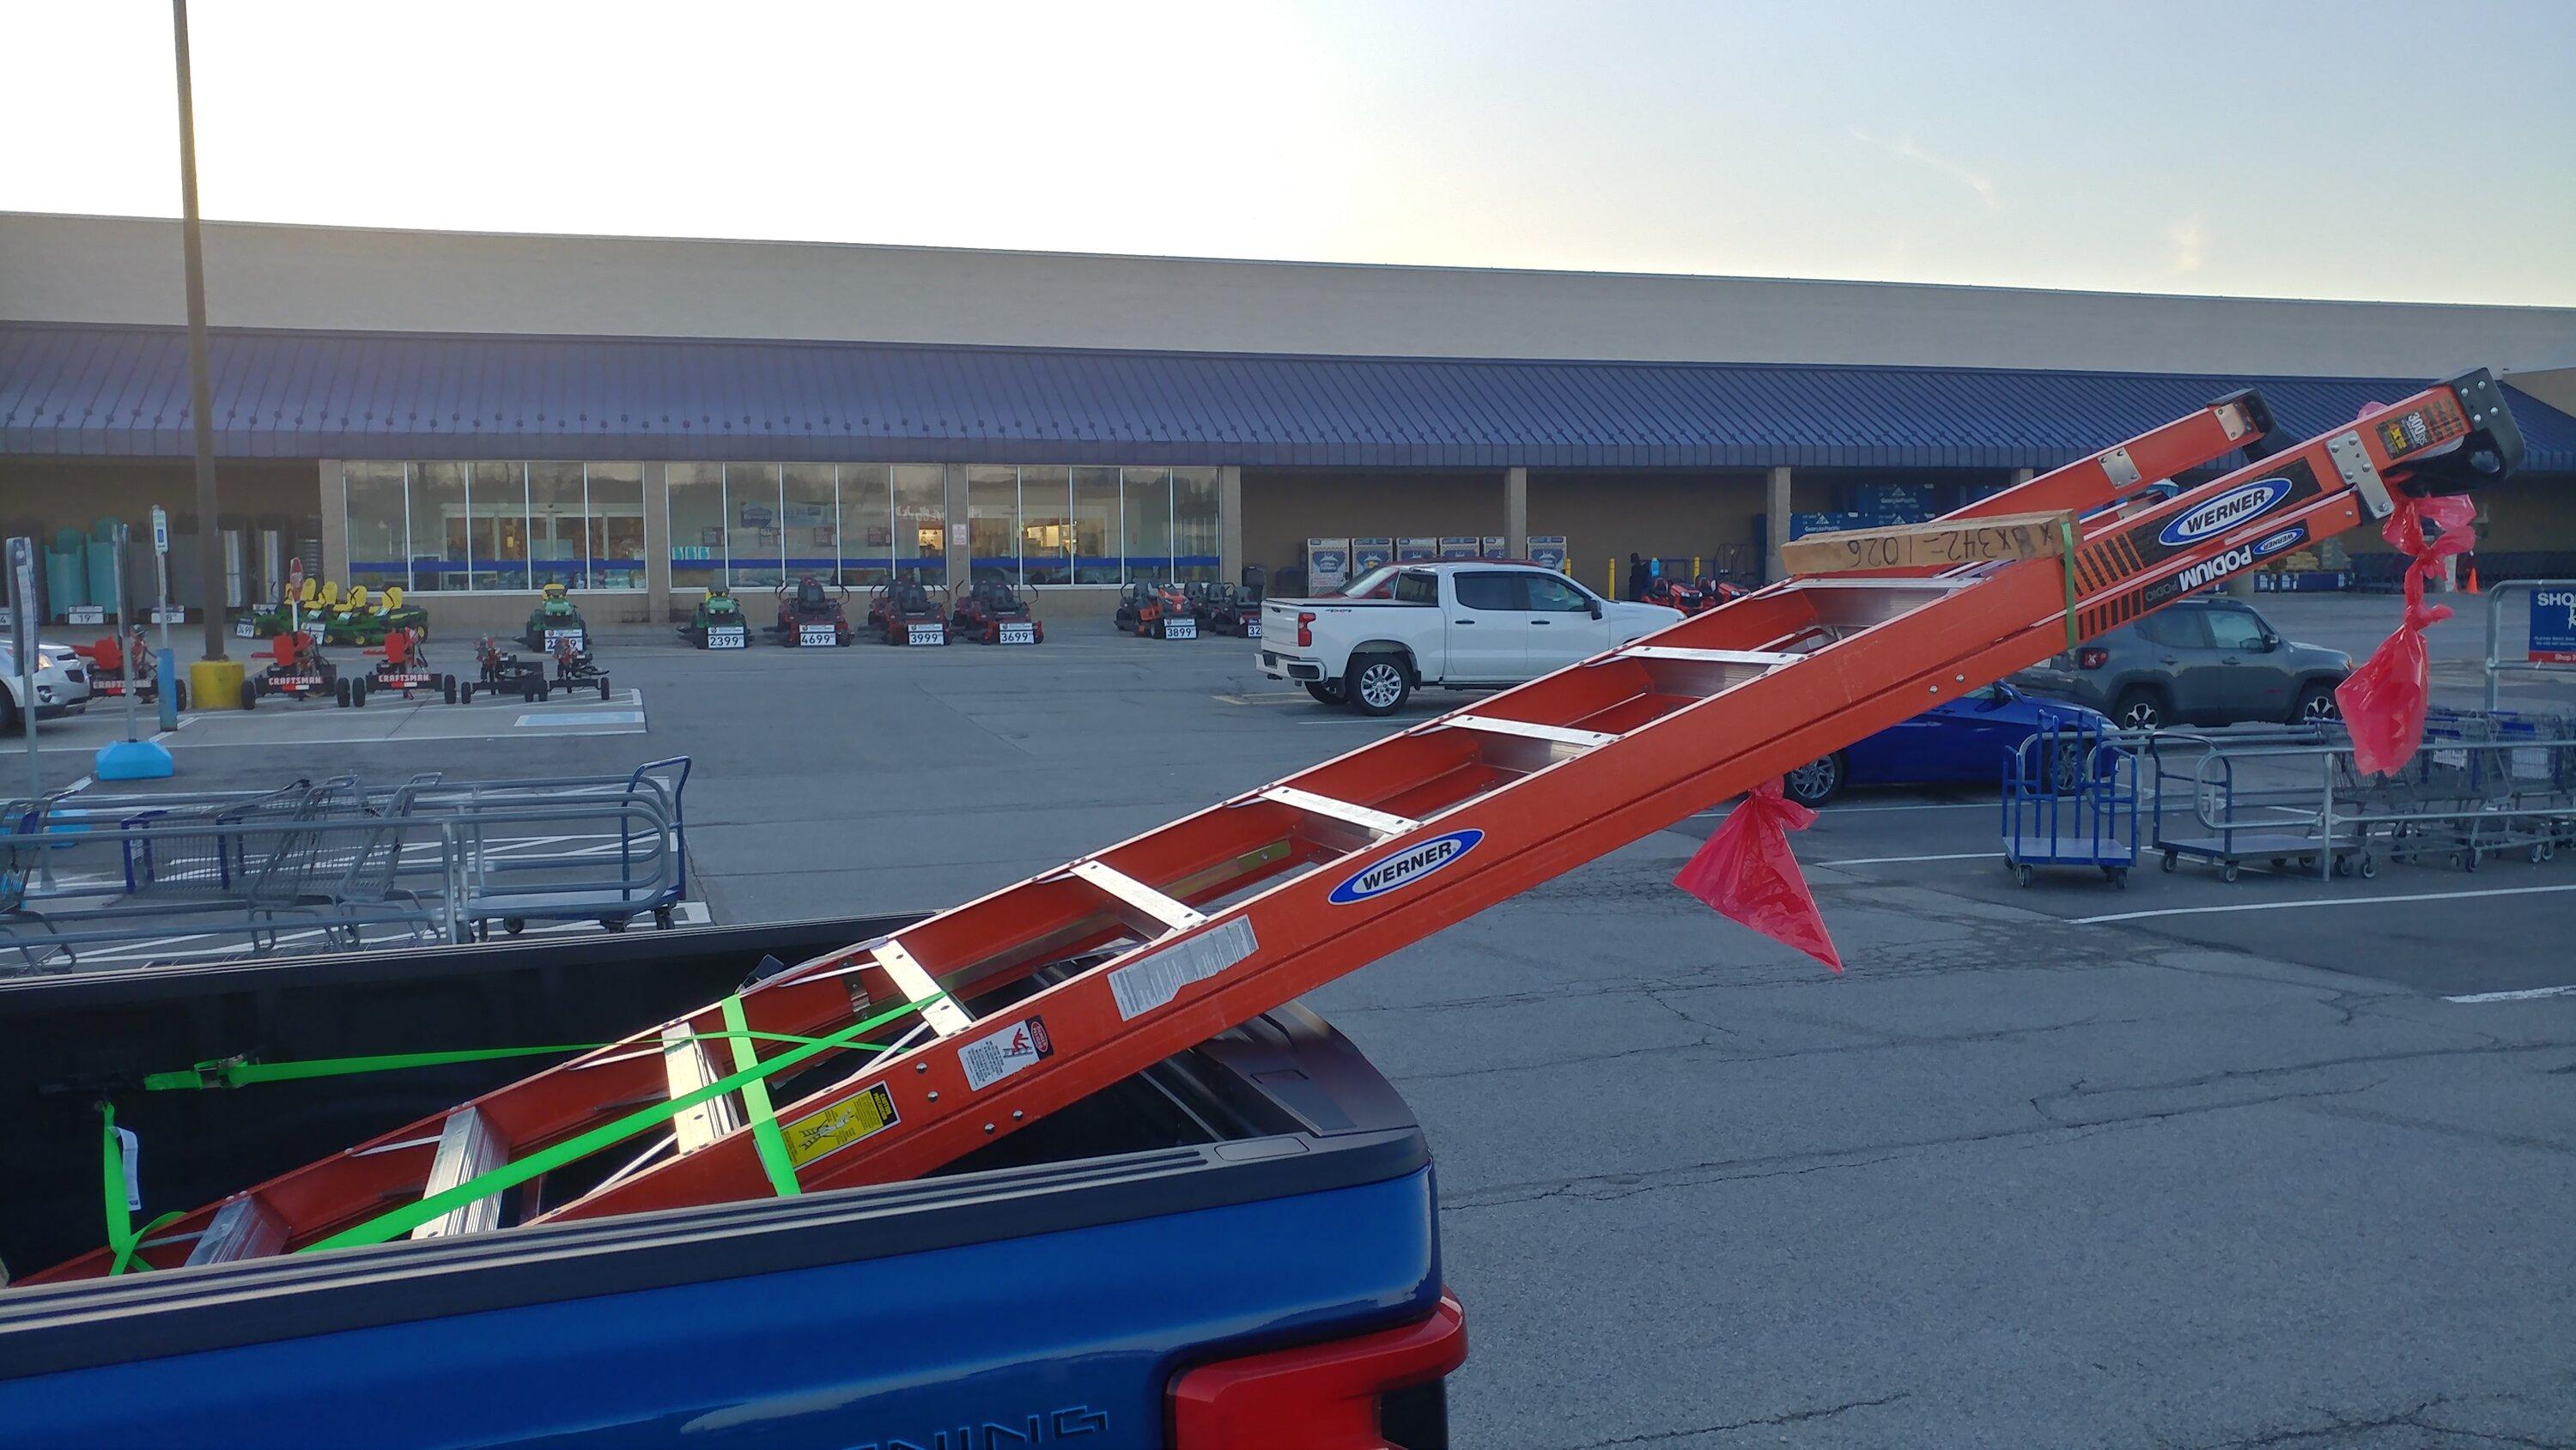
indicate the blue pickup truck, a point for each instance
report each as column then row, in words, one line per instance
column 1238, row 1247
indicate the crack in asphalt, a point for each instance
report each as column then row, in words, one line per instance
column 1792, row 1417
column 2340, row 1425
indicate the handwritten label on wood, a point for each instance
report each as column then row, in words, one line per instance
column 1926, row 546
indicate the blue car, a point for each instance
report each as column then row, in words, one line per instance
column 1968, row 739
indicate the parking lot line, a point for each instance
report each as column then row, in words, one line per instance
column 2329, row 901
column 1907, row 860
column 2525, row 995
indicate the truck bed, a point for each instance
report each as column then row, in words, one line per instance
column 1264, row 1189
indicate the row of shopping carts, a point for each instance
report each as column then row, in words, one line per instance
column 337, row 864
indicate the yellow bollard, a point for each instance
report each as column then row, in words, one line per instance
column 1694, row 566
column 215, row 685
column 1613, row 591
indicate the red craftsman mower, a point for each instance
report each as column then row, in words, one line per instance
column 1157, row 611
column 1693, row 595
column 909, row 612
column 811, row 613
column 404, row 666
column 994, row 613
column 107, row 668
column 297, row 669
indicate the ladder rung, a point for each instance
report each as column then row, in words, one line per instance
column 685, row 1060
column 466, row 1151
column 1381, row 822
column 944, row 1015
column 242, row 1229
column 1553, row 734
column 1765, row 658
column 1138, row 895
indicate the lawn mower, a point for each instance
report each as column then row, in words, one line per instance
column 298, row 609
column 107, row 668
column 717, row 622
column 504, row 672
column 404, row 666
column 905, row 612
column 297, row 668
column 553, row 618
column 994, row 613
column 1161, row 611
column 1691, row 596
column 362, row 622
column 574, row 668
column 811, row 614
column 1230, row 609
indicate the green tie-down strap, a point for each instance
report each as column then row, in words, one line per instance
column 122, row 1236
column 510, row 1175
column 2066, row 550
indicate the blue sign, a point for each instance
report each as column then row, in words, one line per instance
column 2553, row 626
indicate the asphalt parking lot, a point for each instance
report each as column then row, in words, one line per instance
column 2194, row 1163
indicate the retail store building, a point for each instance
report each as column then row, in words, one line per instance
column 468, row 415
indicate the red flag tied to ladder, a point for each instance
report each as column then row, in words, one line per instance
column 1747, row 871
column 2383, row 703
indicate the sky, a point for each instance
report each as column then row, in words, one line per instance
column 2252, row 148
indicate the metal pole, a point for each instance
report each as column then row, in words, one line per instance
column 165, row 667
column 22, row 622
column 124, row 625
column 201, row 403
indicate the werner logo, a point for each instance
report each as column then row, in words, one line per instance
column 2279, row 539
column 2225, row 511
column 1405, row 867
column 2208, row 569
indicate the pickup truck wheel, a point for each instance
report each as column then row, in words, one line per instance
column 1327, row 691
column 1816, row 782
column 9, row 713
column 1377, row 684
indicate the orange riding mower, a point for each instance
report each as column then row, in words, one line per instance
column 107, row 668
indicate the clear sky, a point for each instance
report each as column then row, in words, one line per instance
column 2255, row 147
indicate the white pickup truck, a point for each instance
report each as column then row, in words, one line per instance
column 1455, row 624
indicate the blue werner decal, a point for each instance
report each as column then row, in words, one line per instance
column 2279, row 539
column 1405, row 867
column 2225, row 512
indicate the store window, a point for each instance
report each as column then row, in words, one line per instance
column 697, row 514
column 496, row 509
column 1097, row 543
column 614, row 508
column 867, row 525
column 379, row 524
column 920, row 522
column 438, row 526
column 558, row 535
column 993, row 522
column 1046, row 526
column 1194, row 524
column 809, row 522
column 754, row 540
column 1147, row 496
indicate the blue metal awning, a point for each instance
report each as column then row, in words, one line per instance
column 105, row 391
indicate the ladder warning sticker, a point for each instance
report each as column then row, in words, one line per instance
column 1151, row 982
column 989, row 1060
column 823, row 1133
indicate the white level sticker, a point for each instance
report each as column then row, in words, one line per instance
column 988, row 1060
column 1151, row 982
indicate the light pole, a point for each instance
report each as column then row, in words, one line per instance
column 201, row 403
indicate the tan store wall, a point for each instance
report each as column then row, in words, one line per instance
column 1283, row 508
column 2532, row 514
column 56, row 495
column 1605, row 517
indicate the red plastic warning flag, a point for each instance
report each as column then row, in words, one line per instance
column 2383, row 702
column 1747, row 871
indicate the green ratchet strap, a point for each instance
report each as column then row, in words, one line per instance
column 755, row 1102
column 437, row 1205
column 2066, row 544
column 122, row 1235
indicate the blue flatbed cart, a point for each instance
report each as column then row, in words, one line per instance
column 2071, row 799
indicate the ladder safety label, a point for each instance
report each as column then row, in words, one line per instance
column 848, row 1121
column 1151, row 982
column 130, row 1149
column 1405, row 867
column 988, row 1060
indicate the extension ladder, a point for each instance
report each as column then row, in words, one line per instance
column 894, row 1057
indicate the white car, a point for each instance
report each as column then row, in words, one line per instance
column 62, row 684
column 1455, row 624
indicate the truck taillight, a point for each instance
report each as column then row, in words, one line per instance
column 1345, row 1394
column 1305, row 629
column 2092, row 657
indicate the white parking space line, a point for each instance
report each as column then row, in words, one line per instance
column 2307, row 905
column 2526, row 995
column 1992, row 855
column 582, row 718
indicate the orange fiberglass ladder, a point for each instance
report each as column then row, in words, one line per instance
column 891, row 1058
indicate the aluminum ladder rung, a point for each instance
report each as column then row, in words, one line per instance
column 1382, row 822
column 1137, row 894
column 685, row 1061
column 242, row 1229
column 1552, row 734
column 466, row 1151
column 910, row 978
column 1767, row 659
